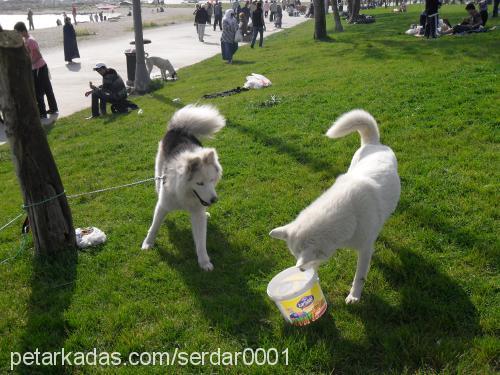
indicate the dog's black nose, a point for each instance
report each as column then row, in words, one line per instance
column 213, row 200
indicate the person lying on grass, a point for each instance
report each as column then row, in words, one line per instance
column 471, row 23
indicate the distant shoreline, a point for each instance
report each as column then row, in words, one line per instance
column 91, row 31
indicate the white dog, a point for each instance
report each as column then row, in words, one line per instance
column 163, row 64
column 190, row 173
column 352, row 212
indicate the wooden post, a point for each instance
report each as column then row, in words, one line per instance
column 142, row 80
column 50, row 222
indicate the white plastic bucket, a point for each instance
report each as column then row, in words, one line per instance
column 298, row 295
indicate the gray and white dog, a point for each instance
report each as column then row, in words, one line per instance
column 190, row 173
column 163, row 64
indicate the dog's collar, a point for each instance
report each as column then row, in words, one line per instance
column 201, row 200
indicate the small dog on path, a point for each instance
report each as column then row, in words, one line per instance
column 353, row 211
column 190, row 173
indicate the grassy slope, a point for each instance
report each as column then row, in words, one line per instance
column 431, row 300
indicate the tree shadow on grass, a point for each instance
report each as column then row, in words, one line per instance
column 166, row 100
column 52, row 287
column 242, row 62
column 461, row 236
column 224, row 295
column 429, row 327
column 283, row 147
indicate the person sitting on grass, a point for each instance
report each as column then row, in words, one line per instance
column 471, row 23
column 112, row 91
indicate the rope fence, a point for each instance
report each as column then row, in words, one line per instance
column 26, row 206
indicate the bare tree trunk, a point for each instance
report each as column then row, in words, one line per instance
column 319, row 20
column 336, row 17
column 142, row 80
column 50, row 220
column 355, row 10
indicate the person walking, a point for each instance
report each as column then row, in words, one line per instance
column 236, row 7
column 279, row 17
column 218, row 14
column 210, row 11
column 201, row 19
column 246, row 17
column 70, row 45
column 227, row 40
column 40, row 71
column 266, row 8
column 272, row 10
column 30, row 20
column 73, row 12
column 258, row 25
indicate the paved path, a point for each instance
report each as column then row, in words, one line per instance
column 179, row 43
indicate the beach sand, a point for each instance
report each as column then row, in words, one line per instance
column 53, row 37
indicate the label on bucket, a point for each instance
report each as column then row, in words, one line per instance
column 305, row 308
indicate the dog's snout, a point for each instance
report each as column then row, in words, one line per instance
column 213, row 200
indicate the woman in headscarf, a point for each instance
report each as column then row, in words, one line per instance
column 70, row 46
column 228, row 43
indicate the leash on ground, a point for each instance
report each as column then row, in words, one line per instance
column 26, row 206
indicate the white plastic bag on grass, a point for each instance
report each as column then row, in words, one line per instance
column 257, row 81
column 90, row 236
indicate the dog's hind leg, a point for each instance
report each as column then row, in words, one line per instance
column 362, row 268
column 159, row 215
column 199, row 224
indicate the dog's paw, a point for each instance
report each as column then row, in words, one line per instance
column 206, row 266
column 146, row 245
column 351, row 299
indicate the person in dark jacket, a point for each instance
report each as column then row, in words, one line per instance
column 201, row 19
column 70, row 45
column 246, row 17
column 112, row 91
column 218, row 14
column 258, row 25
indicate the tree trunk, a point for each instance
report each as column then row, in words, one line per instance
column 319, row 20
column 336, row 17
column 142, row 80
column 349, row 7
column 355, row 10
column 50, row 222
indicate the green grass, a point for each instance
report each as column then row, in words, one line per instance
column 431, row 301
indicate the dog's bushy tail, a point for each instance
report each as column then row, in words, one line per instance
column 358, row 120
column 198, row 120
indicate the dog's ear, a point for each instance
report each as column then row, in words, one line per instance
column 209, row 157
column 281, row 233
column 193, row 164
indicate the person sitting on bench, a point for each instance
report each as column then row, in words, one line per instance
column 111, row 91
column 471, row 23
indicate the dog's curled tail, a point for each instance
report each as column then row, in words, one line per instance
column 359, row 120
column 198, row 120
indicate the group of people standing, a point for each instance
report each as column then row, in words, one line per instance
column 234, row 24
